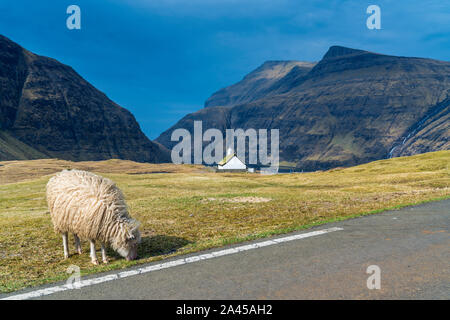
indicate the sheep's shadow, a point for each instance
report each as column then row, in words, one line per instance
column 157, row 245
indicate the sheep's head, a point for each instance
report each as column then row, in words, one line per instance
column 128, row 249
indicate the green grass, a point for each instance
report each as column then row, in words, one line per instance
column 189, row 210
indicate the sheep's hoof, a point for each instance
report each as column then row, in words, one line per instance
column 95, row 262
column 105, row 261
column 66, row 257
column 80, row 251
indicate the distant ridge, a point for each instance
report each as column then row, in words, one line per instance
column 352, row 107
column 257, row 83
column 338, row 51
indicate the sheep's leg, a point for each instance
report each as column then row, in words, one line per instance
column 78, row 244
column 104, row 257
column 66, row 245
column 93, row 255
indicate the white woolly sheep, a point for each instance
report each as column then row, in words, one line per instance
column 93, row 208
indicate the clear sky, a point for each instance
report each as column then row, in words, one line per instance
column 161, row 59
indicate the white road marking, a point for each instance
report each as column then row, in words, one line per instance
column 160, row 266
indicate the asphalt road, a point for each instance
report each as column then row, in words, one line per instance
column 411, row 247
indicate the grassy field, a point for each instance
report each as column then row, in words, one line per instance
column 187, row 208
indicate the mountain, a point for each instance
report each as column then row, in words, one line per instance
column 256, row 84
column 47, row 110
column 431, row 133
column 352, row 107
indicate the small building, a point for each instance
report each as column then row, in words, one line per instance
column 231, row 163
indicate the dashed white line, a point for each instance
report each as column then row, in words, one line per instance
column 165, row 265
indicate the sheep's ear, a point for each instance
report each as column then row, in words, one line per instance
column 130, row 234
column 132, row 225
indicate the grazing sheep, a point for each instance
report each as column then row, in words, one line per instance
column 92, row 207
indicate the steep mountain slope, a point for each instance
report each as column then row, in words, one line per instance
column 430, row 133
column 13, row 149
column 48, row 110
column 257, row 83
column 351, row 107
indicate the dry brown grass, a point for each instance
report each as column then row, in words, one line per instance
column 241, row 199
column 17, row 171
column 178, row 218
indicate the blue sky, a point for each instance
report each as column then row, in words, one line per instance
column 162, row 59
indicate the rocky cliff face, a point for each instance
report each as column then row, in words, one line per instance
column 430, row 133
column 352, row 107
column 48, row 110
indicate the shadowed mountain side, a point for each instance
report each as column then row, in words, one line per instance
column 52, row 110
column 13, row 149
column 350, row 108
column 257, row 83
column 431, row 133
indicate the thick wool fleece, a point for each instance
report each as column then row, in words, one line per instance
column 89, row 206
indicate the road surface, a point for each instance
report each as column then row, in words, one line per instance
column 410, row 246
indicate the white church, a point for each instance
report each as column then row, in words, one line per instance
column 231, row 162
